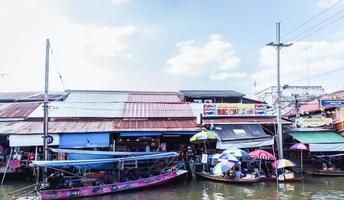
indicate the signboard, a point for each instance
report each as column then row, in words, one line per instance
column 313, row 122
column 234, row 109
column 332, row 103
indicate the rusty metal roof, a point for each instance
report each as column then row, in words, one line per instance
column 17, row 110
column 157, row 110
column 36, row 127
column 161, row 125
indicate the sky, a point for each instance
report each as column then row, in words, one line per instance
column 168, row 44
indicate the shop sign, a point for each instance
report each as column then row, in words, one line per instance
column 332, row 103
column 313, row 122
column 234, row 109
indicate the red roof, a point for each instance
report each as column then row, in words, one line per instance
column 244, row 120
column 157, row 110
column 17, row 110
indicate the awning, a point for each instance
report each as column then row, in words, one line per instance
column 31, row 140
column 84, row 140
column 245, row 143
column 153, row 133
column 242, row 136
column 320, row 141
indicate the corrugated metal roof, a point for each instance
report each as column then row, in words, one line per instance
column 152, row 110
column 29, row 96
column 81, row 109
column 197, row 108
column 146, row 125
column 26, row 127
column 17, row 110
column 154, row 98
column 36, row 127
column 97, row 97
column 210, row 93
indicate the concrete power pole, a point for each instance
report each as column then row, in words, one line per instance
column 278, row 45
column 46, row 100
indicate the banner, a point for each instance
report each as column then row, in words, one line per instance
column 234, row 109
column 332, row 103
column 313, row 122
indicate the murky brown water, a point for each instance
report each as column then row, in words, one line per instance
column 311, row 188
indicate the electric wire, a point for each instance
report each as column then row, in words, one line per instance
column 315, row 26
column 308, row 35
column 57, row 68
column 312, row 18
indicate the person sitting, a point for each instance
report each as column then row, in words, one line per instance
column 237, row 174
column 256, row 172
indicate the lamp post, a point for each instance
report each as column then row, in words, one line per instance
column 278, row 45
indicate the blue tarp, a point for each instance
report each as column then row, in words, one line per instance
column 65, row 163
column 74, row 156
column 84, row 140
column 92, row 152
column 157, row 133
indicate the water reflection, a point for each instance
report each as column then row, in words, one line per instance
column 311, row 188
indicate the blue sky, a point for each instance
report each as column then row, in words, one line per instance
column 165, row 44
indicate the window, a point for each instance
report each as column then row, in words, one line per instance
column 197, row 100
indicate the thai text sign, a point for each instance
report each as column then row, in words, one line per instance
column 313, row 122
column 332, row 103
column 234, row 109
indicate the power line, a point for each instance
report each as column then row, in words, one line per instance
column 311, row 28
column 317, row 75
column 297, row 11
column 312, row 18
column 57, row 69
column 306, row 36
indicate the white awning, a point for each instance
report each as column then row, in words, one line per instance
column 326, row 147
column 31, row 140
column 245, row 143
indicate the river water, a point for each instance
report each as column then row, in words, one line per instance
column 311, row 188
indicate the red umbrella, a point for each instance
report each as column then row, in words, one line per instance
column 261, row 154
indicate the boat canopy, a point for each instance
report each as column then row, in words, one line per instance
column 112, row 153
column 64, row 163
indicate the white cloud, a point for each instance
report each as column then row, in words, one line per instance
column 214, row 57
column 302, row 60
column 226, row 75
column 88, row 56
column 118, row 2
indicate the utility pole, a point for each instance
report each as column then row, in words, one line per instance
column 46, row 100
column 278, row 45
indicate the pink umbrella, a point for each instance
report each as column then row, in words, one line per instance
column 261, row 154
column 301, row 147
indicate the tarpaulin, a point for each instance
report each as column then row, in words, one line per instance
column 84, row 140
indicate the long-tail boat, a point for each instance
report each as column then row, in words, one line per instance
column 224, row 179
column 74, row 186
